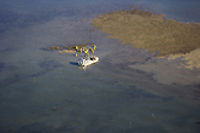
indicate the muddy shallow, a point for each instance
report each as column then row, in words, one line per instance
column 45, row 91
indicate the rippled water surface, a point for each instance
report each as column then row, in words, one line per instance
column 45, row 91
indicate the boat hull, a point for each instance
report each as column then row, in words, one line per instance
column 88, row 61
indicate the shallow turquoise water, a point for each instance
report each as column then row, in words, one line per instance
column 44, row 91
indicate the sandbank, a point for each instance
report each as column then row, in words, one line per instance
column 153, row 32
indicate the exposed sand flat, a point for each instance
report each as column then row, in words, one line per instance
column 67, row 51
column 192, row 59
column 148, row 31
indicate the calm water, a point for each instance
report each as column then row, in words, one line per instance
column 45, row 91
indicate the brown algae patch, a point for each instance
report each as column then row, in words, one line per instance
column 151, row 32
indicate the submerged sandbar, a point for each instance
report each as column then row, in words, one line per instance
column 150, row 31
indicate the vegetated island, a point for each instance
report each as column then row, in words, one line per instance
column 154, row 33
column 80, row 48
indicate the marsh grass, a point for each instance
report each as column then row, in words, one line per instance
column 149, row 31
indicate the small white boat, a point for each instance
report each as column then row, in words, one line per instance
column 88, row 60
